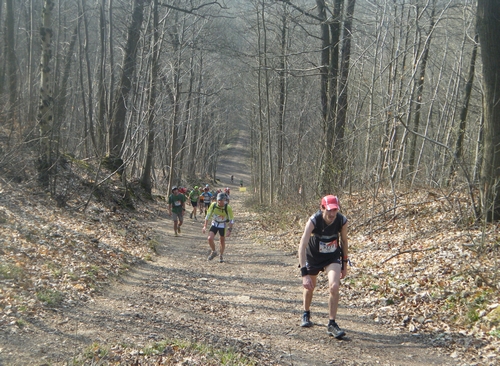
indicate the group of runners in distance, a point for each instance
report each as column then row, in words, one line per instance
column 323, row 246
column 217, row 211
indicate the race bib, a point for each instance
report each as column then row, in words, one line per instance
column 328, row 247
column 219, row 218
column 177, row 203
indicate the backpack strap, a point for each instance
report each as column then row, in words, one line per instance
column 211, row 208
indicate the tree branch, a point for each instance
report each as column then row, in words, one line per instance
column 192, row 10
column 406, row 252
column 301, row 10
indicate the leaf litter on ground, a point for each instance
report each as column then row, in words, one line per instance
column 420, row 262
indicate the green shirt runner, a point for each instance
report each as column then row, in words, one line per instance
column 176, row 200
column 194, row 195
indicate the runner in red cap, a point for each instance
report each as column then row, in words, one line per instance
column 324, row 248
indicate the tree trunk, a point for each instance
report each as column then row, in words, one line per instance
column 268, row 111
column 2, row 66
column 11, row 61
column 282, row 100
column 117, row 130
column 175, row 96
column 488, row 13
column 187, row 114
column 325, row 61
column 464, row 110
column 88, row 111
column 62, row 91
column 46, row 104
column 343, row 87
column 412, row 169
column 330, row 35
column 101, row 93
column 111, row 97
column 259, row 114
column 195, row 143
column 148, row 166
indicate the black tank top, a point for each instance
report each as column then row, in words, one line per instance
column 324, row 244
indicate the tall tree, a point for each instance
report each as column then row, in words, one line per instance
column 148, row 167
column 101, row 89
column 412, row 150
column 268, row 105
column 174, row 92
column 341, row 121
column 88, row 110
column 330, row 37
column 488, row 13
column 11, row 59
column 283, row 73
column 459, row 145
column 117, row 128
column 46, row 103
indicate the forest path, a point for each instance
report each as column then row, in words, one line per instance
column 251, row 302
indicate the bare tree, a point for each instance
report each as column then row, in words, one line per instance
column 282, row 104
column 418, row 101
column 11, row 60
column 148, row 167
column 343, row 88
column 117, row 128
column 488, row 13
column 330, row 37
column 45, row 114
column 459, row 145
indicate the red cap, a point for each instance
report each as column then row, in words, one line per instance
column 330, row 202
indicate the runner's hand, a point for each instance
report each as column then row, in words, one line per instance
column 343, row 273
column 307, row 282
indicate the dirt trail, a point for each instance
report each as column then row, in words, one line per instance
column 251, row 302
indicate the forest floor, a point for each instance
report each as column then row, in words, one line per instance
column 177, row 308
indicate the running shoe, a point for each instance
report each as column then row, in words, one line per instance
column 212, row 255
column 306, row 321
column 334, row 330
column 179, row 229
column 221, row 260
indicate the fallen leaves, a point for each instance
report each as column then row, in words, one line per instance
column 58, row 257
column 418, row 264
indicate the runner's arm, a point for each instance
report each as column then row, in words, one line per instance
column 345, row 249
column 304, row 240
column 345, row 245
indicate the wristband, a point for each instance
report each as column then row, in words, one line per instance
column 304, row 271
